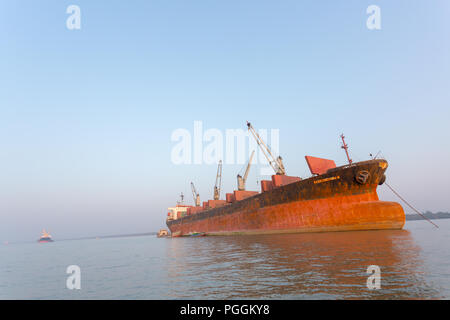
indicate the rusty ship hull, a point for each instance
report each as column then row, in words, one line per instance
column 342, row 199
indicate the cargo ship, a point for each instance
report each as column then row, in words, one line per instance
column 45, row 237
column 342, row 198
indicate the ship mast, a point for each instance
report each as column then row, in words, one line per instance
column 275, row 163
column 182, row 198
column 218, row 181
column 345, row 147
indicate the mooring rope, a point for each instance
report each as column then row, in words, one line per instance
column 417, row 211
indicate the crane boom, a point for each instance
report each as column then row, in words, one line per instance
column 275, row 163
column 196, row 195
column 218, row 181
column 242, row 180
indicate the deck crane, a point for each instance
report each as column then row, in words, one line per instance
column 196, row 195
column 218, row 181
column 241, row 180
column 275, row 163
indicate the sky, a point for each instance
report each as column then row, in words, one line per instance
column 87, row 115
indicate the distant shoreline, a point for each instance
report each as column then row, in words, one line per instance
column 428, row 215
column 114, row 236
column 91, row 237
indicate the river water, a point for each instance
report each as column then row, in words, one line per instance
column 414, row 264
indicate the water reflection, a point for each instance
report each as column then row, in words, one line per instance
column 296, row 266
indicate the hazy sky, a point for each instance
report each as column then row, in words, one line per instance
column 86, row 116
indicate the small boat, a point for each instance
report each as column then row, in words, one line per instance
column 45, row 237
column 162, row 233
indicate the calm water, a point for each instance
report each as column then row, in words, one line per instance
column 415, row 263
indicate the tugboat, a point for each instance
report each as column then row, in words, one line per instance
column 45, row 237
